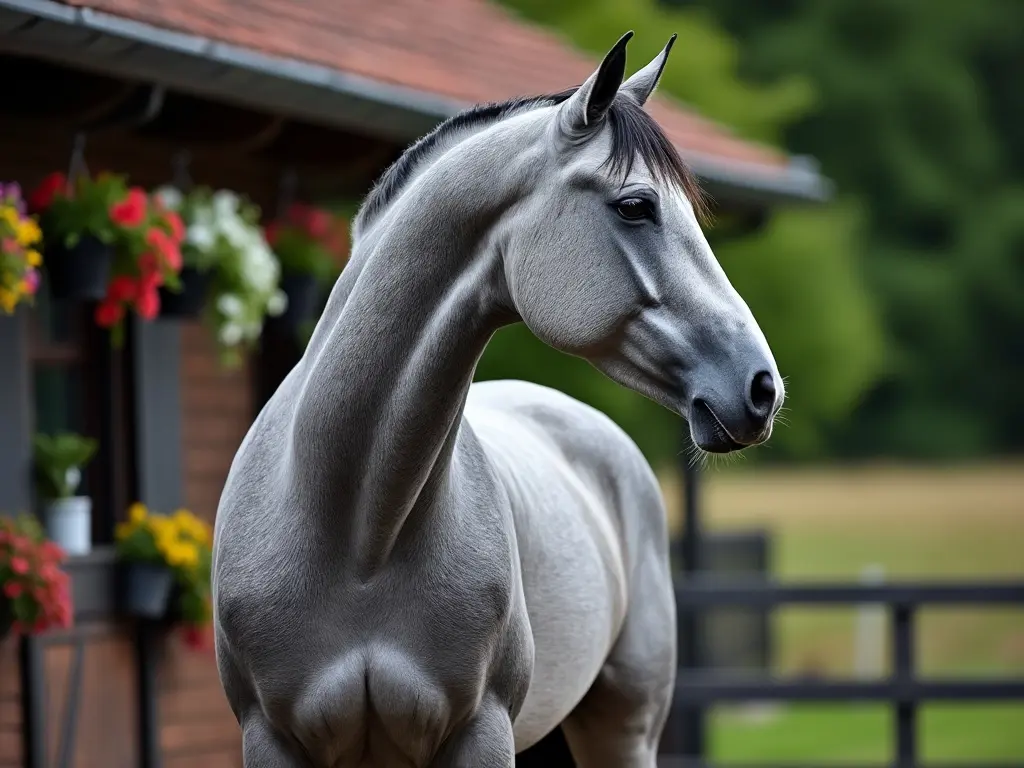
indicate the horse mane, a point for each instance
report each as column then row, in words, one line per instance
column 633, row 132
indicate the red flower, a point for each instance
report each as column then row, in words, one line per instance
column 13, row 589
column 42, row 196
column 149, row 263
column 122, row 288
column 271, row 232
column 193, row 637
column 298, row 214
column 131, row 211
column 53, row 552
column 148, row 303
column 176, row 225
column 150, row 280
column 164, row 245
column 109, row 313
column 318, row 223
column 19, row 565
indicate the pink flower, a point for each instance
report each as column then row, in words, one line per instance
column 19, row 565
column 13, row 589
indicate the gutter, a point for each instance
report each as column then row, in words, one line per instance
column 112, row 45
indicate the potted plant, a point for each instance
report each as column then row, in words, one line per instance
column 59, row 461
column 79, row 232
column 310, row 243
column 224, row 243
column 147, row 258
column 35, row 593
column 165, row 555
column 19, row 259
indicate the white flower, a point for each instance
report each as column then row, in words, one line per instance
column 225, row 203
column 230, row 334
column 230, row 305
column 170, row 197
column 260, row 268
column 277, row 303
column 200, row 235
column 235, row 230
column 203, row 217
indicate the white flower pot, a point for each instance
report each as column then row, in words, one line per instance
column 68, row 523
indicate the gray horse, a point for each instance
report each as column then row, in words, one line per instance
column 411, row 570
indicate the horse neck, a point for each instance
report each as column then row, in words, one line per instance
column 385, row 378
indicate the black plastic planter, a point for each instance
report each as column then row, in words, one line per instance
column 79, row 272
column 189, row 302
column 303, row 292
column 147, row 590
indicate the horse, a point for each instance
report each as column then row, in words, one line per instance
column 413, row 569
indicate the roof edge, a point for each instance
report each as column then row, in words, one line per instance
column 125, row 47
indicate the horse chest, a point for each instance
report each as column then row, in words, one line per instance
column 390, row 703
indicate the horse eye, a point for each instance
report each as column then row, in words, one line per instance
column 634, row 209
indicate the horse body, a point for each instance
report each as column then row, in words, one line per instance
column 414, row 570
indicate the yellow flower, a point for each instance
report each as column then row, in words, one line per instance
column 123, row 530
column 8, row 300
column 34, row 258
column 27, row 231
column 10, row 215
column 137, row 512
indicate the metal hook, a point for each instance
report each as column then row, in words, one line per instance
column 182, row 178
column 286, row 192
column 77, row 166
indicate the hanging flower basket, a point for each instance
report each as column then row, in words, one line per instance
column 80, row 271
column 19, row 257
column 147, row 258
column 224, row 242
column 187, row 303
column 78, row 232
column 311, row 244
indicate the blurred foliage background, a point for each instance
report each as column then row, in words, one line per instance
column 896, row 311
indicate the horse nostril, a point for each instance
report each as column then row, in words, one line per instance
column 762, row 394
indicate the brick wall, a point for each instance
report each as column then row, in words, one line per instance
column 197, row 727
column 10, row 705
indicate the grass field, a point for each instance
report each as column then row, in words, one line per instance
column 945, row 523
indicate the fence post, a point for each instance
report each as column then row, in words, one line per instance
column 903, row 671
column 869, row 630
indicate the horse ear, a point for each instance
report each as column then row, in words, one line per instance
column 642, row 84
column 588, row 105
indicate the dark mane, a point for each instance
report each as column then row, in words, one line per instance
column 634, row 132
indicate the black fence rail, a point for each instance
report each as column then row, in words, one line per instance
column 699, row 687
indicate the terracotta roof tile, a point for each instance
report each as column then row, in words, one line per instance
column 467, row 50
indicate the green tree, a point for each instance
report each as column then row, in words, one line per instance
column 800, row 275
column 920, row 113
